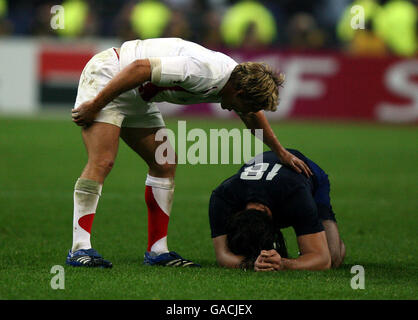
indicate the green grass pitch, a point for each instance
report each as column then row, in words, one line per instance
column 373, row 172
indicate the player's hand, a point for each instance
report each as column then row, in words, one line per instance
column 85, row 114
column 295, row 163
column 268, row 260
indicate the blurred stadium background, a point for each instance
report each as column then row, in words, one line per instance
column 332, row 71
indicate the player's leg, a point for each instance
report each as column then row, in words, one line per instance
column 159, row 192
column 101, row 141
column 159, row 185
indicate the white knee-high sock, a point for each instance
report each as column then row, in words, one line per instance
column 159, row 194
column 86, row 198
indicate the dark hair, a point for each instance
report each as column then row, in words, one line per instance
column 249, row 232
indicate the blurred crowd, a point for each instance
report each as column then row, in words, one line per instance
column 389, row 26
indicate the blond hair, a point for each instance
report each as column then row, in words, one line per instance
column 259, row 85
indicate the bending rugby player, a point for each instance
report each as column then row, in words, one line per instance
column 117, row 96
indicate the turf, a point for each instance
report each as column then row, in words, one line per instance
column 373, row 177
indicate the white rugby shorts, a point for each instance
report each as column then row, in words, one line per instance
column 128, row 109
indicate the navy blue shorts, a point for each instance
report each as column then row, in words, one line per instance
column 321, row 195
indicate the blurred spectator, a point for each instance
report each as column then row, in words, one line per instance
column 192, row 12
column 248, row 21
column 361, row 41
column 3, row 8
column 150, row 18
column 178, row 26
column 122, row 23
column 344, row 29
column 6, row 26
column 367, row 43
column 391, row 26
column 397, row 24
column 303, row 33
column 327, row 14
column 41, row 24
column 251, row 39
column 79, row 19
column 21, row 15
column 153, row 19
column 211, row 35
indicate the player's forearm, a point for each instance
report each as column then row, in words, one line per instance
column 130, row 77
column 230, row 261
column 223, row 255
column 259, row 121
column 310, row 261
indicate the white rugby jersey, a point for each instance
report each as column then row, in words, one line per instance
column 183, row 72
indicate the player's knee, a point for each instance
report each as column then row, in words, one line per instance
column 103, row 165
column 106, row 163
column 164, row 170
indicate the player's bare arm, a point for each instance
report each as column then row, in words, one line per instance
column 335, row 244
column 314, row 251
column 258, row 120
column 136, row 73
column 224, row 256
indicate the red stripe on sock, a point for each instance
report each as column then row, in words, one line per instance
column 157, row 219
column 86, row 222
